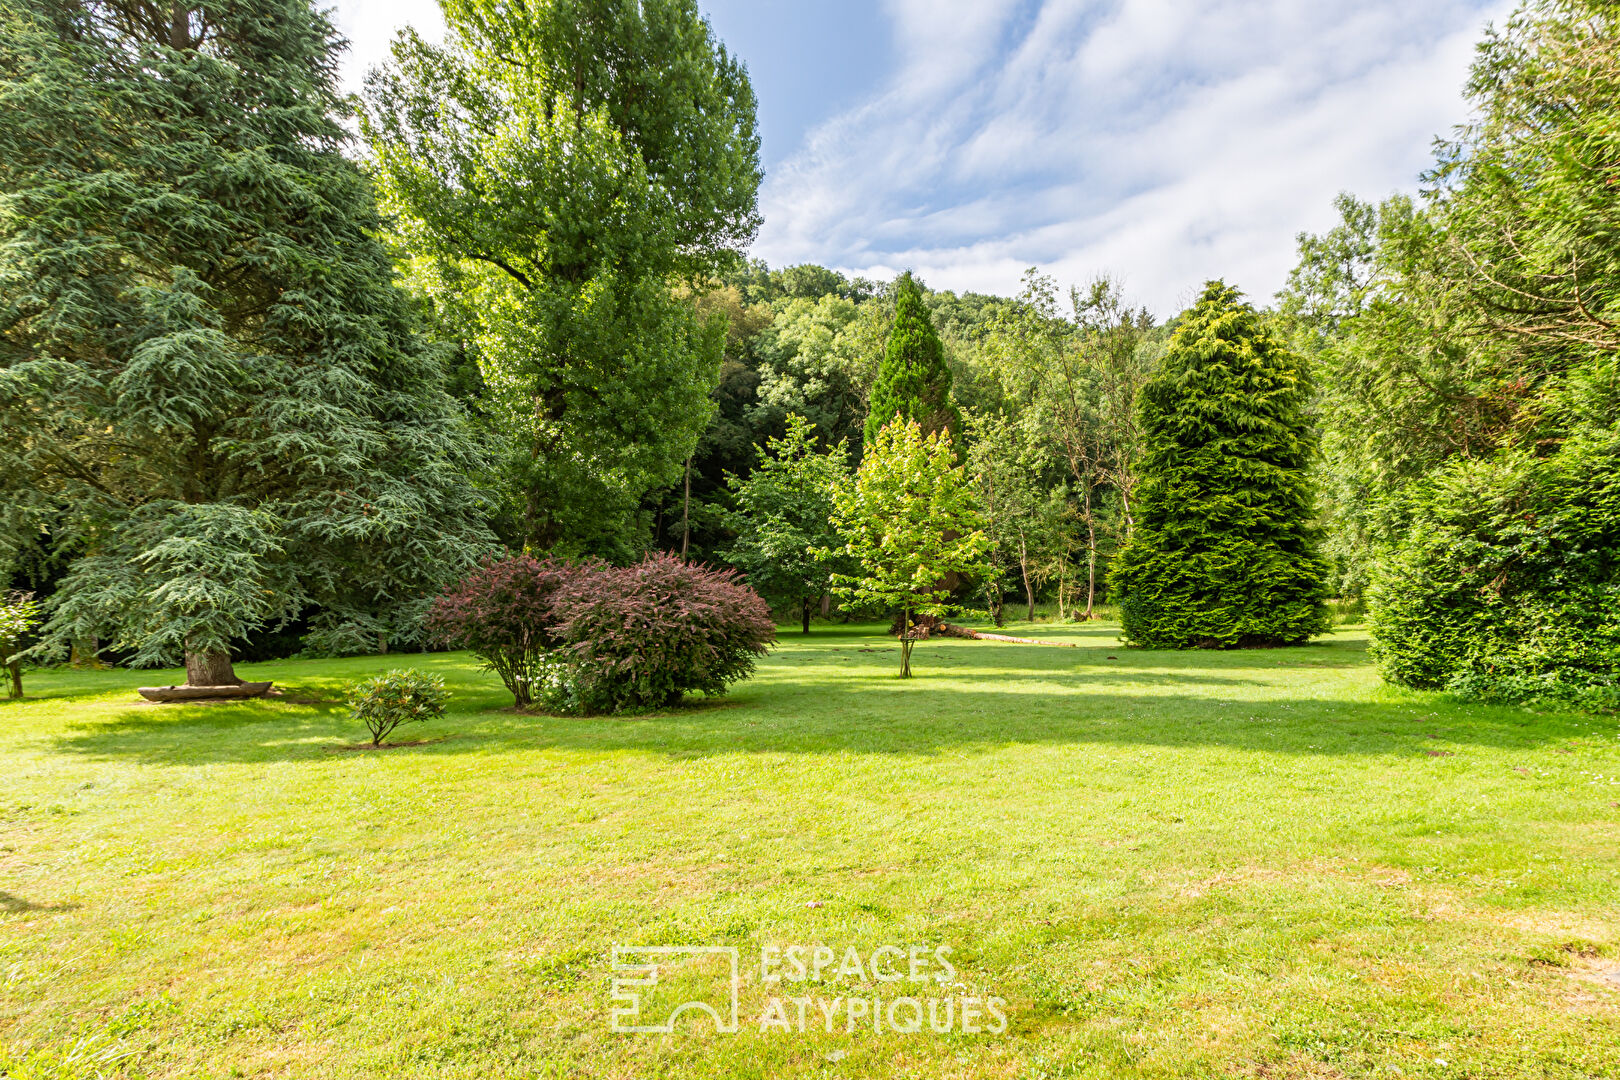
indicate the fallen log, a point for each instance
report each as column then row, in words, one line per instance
column 927, row 626
column 977, row 636
column 204, row 693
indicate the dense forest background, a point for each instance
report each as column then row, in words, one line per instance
column 267, row 384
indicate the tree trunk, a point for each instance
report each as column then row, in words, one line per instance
column 1023, row 568
column 686, row 516
column 826, row 605
column 905, row 644
column 179, row 27
column 531, row 501
column 978, row 635
column 804, row 603
column 1091, row 586
column 211, row 667
column 531, row 514
column 82, row 653
column 15, row 667
column 1091, row 558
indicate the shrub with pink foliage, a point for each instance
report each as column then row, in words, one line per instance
column 641, row 636
column 503, row 613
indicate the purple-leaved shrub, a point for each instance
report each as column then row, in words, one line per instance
column 588, row 637
column 502, row 612
column 641, row 636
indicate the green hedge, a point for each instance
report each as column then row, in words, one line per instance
column 1507, row 587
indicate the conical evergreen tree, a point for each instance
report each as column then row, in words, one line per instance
column 207, row 375
column 913, row 381
column 1225, row 553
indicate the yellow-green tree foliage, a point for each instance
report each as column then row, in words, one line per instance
column 909, row 520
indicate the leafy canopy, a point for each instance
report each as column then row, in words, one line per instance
column 1527, row 190
column 909, row 519
column 816, row 359
column 555, row 169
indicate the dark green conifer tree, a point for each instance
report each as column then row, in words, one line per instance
column 913, row 381
column 208, row 379
column 1225, row 552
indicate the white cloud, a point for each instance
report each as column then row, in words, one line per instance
column 371, row 24
column 1165, row 141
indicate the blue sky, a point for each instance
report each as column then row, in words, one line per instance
column 1162, row 141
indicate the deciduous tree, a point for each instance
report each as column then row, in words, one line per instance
column 909, row 519
column 784, row 517
column 19, row 615
column 1049, row 378
column 557, row 170
column 1006, row 469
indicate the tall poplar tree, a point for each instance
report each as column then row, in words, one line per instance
column 913, row 381
column 557, row 169
column 1225, row 550
column 208, row 378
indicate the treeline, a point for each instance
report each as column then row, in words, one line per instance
column 1040, row 391
column 1467, row 345
column 266, row 386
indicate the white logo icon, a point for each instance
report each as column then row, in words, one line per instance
column 636, row 968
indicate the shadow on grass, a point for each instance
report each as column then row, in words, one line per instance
column 16, row 905
column 832, row 696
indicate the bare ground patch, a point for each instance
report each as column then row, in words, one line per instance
column 404, row 744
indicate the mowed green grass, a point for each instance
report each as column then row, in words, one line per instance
column 1169, row 865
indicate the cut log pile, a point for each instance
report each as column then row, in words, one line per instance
column 977, row 636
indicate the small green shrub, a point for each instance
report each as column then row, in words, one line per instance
column 403, row 696
column 1549, row 688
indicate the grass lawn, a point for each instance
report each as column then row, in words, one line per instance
column 1208, row 864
